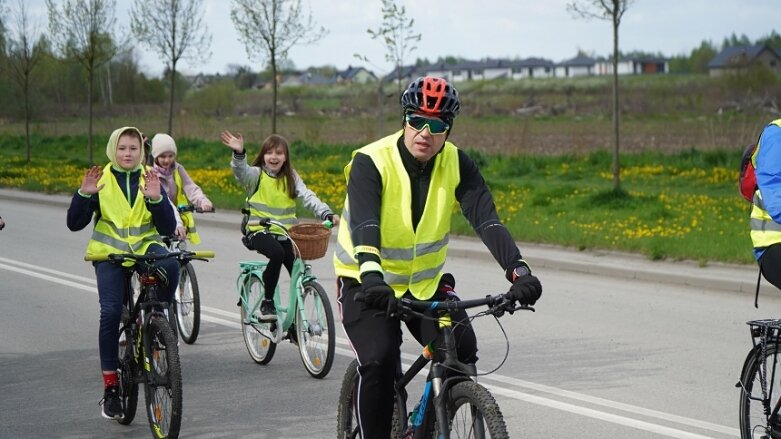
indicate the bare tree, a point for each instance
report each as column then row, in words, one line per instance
column 269, row 29
column 175, row 30
column 85, row 31
column 397, row 35
column 607, row 10
column 24, row 52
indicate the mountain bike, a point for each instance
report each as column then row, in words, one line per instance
column 187, row 304
column 759, row 393
column 148, row 348
column 452, row 403
column 305, row 320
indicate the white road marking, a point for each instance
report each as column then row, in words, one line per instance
column 499, row 388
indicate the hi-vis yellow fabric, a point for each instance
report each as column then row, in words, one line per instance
column 412, row 259
column 271, row 200
column 764, row 231
column 122, row 228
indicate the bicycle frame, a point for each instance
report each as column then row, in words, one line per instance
column 444, row 359
column 301, row 274
column 762, row 333
column 147, row 306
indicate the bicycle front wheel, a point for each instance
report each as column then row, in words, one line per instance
column 314, row 330
column 758, row 392
column 164, row 380
column 188, row 305
column 128, row 385
column 256, row 336
column 473, row 413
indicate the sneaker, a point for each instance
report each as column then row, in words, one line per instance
column 112, row 406
column 268, row 313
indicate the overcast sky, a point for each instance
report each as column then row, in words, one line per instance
column 476, row 29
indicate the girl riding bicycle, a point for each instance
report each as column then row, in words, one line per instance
column 272, row 186
column 130, row 213
column 180, row 187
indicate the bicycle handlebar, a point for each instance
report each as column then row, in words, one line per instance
column 121, row 257
column 498, row 304
column 191, row 208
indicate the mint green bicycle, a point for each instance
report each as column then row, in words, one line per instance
column 304, row 315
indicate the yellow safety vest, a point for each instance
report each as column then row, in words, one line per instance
column 121, row 228
column 271, row 200
column 764, row 231
column 412, row 258
column 188, row 219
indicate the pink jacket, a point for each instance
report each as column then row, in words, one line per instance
column 191, row 190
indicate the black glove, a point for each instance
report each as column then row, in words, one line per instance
column 375, row 293
column 526, row 289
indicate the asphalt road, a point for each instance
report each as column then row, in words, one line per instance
column 603, row 357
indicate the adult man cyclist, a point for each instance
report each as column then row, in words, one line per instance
column 393, row 238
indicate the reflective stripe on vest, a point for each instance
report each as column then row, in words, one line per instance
column 764, row 231
column 412, row 260
column 271, row 200
column 121, row 228
column 188, row 218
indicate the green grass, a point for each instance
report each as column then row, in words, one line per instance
column 681, row 205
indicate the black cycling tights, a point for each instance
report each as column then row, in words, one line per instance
column 278, row 253
column 770, row 262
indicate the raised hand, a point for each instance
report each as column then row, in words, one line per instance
column 234, row 142
column 151, row 189
column 89, row 185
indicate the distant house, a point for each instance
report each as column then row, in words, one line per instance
column 201, row 80
column 406, row 73
column 632, row 66
column 581, row 65
column 355, row 75
column 737, row 58
column 306, row 78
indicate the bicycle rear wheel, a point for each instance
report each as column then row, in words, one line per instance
column 261, row 349
column 128, row 385
column 473, row 413
column 164, row 380
column 347, row 419
column 314, row 330
column 188, row 305
column 756, row 400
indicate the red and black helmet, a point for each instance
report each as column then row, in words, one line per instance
column 432, row 96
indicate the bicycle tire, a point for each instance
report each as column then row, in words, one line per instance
column 314, row 330
column 260, row 348
column 752, row 412
column 473, row 413
column 188, row 305
column 346, row 419
column 163, row 402
column 128, row 384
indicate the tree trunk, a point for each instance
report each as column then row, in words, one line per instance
column 90, row 76
column 380, row 111
column 27, row 115
column 274, row 86
column 172, row 72
column 616, row 158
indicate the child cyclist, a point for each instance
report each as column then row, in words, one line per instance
column 272, row 187
column 181, row 189
column 130, row 213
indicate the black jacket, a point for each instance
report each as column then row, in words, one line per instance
column 364, row 190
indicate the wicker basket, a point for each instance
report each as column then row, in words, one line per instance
column 311, row 240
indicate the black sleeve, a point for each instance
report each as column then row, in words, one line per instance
column 477, row 205
column 163, row 216
column 80, row 211
column 364, row 192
